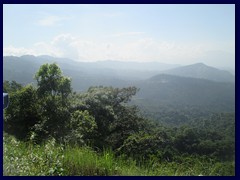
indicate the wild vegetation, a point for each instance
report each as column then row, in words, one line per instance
column 51, row 159
column 52, row 130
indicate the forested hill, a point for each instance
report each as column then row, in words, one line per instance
column 189, row 91
column 200, row 70
column 174, row 90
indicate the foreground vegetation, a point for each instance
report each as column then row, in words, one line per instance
column 50, row 130
column 28, row 159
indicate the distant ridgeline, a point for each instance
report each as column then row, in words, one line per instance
column 161, row 85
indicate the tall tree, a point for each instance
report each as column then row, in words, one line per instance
column 51, row 81
column 53, row 90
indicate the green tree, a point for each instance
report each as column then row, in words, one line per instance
column 51, row 81
column 53, row 91
column 114, row 118
column 186, row 140
column 144, row 145
column 12, row 86
column 81, row 128
column 22, row 113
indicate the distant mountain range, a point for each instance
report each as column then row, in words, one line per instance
column 14, row 66
column 160, row 84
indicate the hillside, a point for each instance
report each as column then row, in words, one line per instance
column 200, row 70
column 181, row 91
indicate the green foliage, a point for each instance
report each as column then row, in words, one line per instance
column 53, row 90
column 186, row 140
column 54, row 118
column 115, row 120
column 50, row 159
column 144, row 146
column 81, row 128
column 22, row 113
column 51, row 82
column 26, row 159
column 12, row 86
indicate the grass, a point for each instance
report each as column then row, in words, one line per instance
column 21, row 159
column 50, row 159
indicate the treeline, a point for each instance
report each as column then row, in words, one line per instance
column 103, row 118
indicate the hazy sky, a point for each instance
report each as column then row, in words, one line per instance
column 179, row 34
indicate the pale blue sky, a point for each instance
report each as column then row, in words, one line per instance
column 181, row 34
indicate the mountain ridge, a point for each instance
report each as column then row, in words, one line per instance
column 202, row 71
column 156, row 87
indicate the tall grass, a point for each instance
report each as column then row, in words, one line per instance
column 50, row 159
column 84, row 161
column 28, row 159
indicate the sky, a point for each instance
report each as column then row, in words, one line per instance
column 175, row 34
